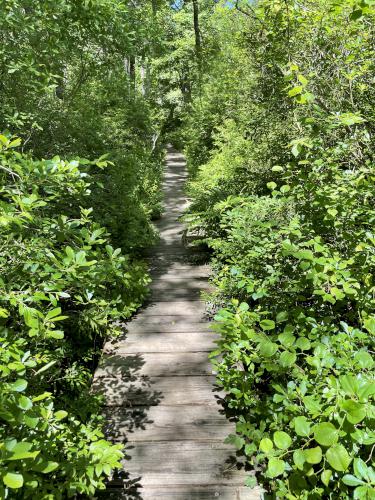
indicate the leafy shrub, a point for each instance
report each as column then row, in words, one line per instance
column 285, row 194
column 63, row 287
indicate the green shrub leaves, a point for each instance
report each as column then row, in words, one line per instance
column 285, row 197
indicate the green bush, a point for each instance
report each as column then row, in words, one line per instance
column 63, row 287
column 285, row 195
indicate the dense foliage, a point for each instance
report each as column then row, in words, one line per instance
column 272, row 101
column 72, row 230
column 279, row 136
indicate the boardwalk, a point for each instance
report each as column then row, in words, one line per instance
column 159, row 387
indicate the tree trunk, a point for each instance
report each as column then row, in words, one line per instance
column 154, row 7
column 198, row 44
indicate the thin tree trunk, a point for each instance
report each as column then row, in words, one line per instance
column 154, row 7
column 198, row 43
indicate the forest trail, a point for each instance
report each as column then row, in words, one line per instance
column 158, row 382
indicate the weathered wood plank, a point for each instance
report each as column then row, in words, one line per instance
column 154, row 364
column 169, row 323
column 177, row 282
column 183, row 308
column 162, row 271
column 184, row 463
column 170, row 295
column 214, row 492
column 147, row 342
column 150, row 391
column 167, row 423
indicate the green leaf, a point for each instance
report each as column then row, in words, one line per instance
column 304, row 255
column 266, row 445
column 360, row 469
column 355, row 412
column 287, row 339
column 364, row 359
column 24, row 403
column 299, row 459
column 41, row 397
column 15, row 143
column 55, row 334
column 332, row 211
column 287, row 358
column 295, row 91
column 18, row 386
column 303, row 344
column 326, row 477
column 275, row 467
column 53, row 313
column 272, row 185
column 363, row 493
column 285, row 189
column 49, row 467
column 13, row 480
column 281, row 317
column 338, row 458
column 282, row 440
column 267, row 324
column 59, row 415
column 351, row 480
column 313, row 455
column 251, row 482
column 303, row 80
column 46, row 367
column 349, row 384
column 267, row 348
column 369, row 324
column 325, row 434
column 237, row 441
column 302, row 426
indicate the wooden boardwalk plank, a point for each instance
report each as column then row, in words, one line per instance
column 176, row 462
column 168, row 423
column 212, row 492
column 161, row 399
column 195, row 308
column 145, row 342
column 166, row 391
column 168, row 323
column 154, row 364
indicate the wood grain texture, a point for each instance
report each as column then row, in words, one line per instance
column 160, row 364
column 166, row 391
column 161, row 399
column 195, row 308
column 167, row 423
column 170, row 342
column 212, row 492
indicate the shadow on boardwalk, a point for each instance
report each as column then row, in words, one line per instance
column 161, row 401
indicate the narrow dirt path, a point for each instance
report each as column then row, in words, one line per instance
column 158, row 382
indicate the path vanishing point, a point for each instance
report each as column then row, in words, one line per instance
column 160, row 395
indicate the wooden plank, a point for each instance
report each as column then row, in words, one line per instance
column 146, row 342
column 175, row 294
column 176, row 281
column 182, row 308
column 183, row 463
column 167, row 423
column 151, row 391
column 154, row 365
column 168, row 321
column 176, row 492
column 162, row 271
